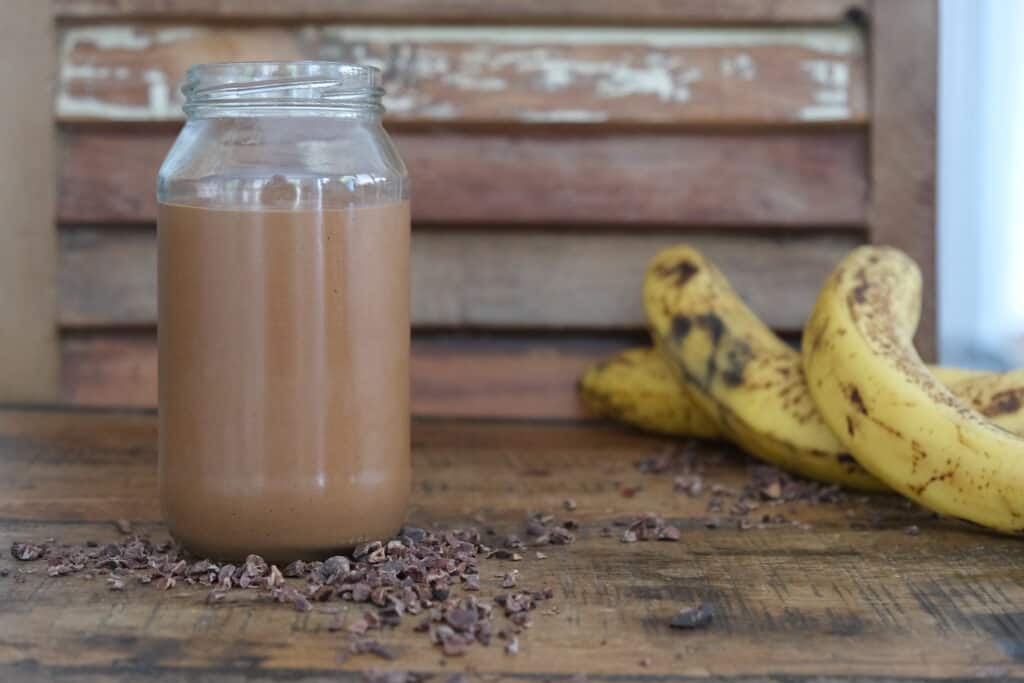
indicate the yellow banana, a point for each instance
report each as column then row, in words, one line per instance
column 892, row 413
column 739, row 372
column 638, row 388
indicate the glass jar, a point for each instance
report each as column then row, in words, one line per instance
column 283, row 228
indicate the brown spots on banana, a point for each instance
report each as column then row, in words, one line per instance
column 849, row 425
column 853, row 395
column 942, row 476
column 1003, row 403
column 682, row 271
column 917, row 454
column 713, row 324
column 738, row 357
column 680, row 328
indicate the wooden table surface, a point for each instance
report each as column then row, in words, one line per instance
column 851, row 597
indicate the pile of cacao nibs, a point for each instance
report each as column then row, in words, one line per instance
column 421, row 575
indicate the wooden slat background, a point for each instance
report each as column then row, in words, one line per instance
column 554, row 146
column 556, row 177
column 497, row 74
column 497, row 278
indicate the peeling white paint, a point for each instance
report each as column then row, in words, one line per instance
column 832, row 96
column 464, row 81
column 827, row 71
column 91, row 108
column 563, row 116
column 824, row 113
column 159, row 90
column 839, row 40
column 440, row 110
column 401, row 104
column 741, row 65
column 120, row 37
column 535, row 60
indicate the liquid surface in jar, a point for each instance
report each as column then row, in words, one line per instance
column 284, row 378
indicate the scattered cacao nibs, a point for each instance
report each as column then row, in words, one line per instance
column 693, row 617
column 372, row 647
column 419, row 572
column 672, row 458
column 648, row 527
column 124, row 526
column 510, row 579
column 690, row 484
column 545, row 530
column 912, row 530
column 4, row 572
column 645, row 662
column 27, row 552
column 540, row 556
column 569, row 504
column 512, row 646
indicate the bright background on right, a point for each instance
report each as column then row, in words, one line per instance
column 981, row 175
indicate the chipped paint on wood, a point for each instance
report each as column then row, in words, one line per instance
column 542, row 74
column 831, row 97
column 564, row 116
column 834, row 40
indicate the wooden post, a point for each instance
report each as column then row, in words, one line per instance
column 904, row 69
column 28, row 331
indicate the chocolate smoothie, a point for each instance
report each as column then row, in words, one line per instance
column 284, row 378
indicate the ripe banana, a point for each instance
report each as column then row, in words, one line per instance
column 638, row 388
column 896, row 418
column 739, row 372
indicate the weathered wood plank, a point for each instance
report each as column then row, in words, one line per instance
column 497, row 75
column 811, row 179
column 905, row 77
column 850, row 599
column 28, row 365
column 496, row 278
column 452, row 375
column 657, row 12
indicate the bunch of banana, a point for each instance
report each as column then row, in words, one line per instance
column 721, row 371
column 892, row 412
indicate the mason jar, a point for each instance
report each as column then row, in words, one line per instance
column 283, row 228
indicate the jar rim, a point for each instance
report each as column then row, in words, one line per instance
column 277, row 84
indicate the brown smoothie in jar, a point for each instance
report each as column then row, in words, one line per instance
column 284, row 378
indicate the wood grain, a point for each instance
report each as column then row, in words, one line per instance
column 657, row 12
column 492, row 278
column 853, row 598
column 813, row 179
column 28, row 249
column 464, row 374
column 496, row 74
column 904, row 77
